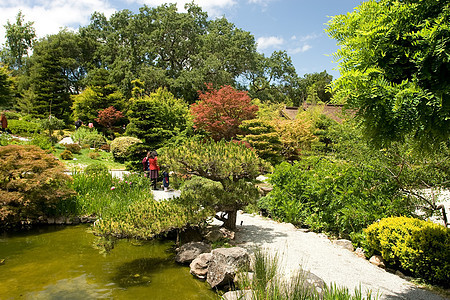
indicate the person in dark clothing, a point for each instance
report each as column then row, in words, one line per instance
column 78, row 124
column 4, row 123
column 165, row 181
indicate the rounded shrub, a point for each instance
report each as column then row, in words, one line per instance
column 96, row 168
column 420, row 247
column 120, row 147
column 94, row 155
column 74, row 148
column 66, row 155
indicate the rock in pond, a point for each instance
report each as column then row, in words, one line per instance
column 188, row 252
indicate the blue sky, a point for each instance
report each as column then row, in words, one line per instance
column 296, row 26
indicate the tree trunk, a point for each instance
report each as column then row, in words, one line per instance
column 230, row 222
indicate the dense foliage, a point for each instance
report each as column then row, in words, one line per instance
column 157, row 118
column 120, row 147
column 227, row 163
column 394, row 64
column 125, row 207
column 333, row 195
column 32, row 182
column 422, row 248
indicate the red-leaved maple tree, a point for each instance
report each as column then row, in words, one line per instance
column 108, row 117
column 220, row 112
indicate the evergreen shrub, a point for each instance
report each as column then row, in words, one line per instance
column 66, row 155
column 94, row 155
column 74, row 148
column 420, row 247
column 23, row 127
column 120, row 147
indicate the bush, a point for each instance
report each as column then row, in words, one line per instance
column 333, row 196
column 420, row 247
column 42, row 141
column 88, row 136
column 23, row 127
column 120, row 147
column 94, row 155
column 106, row 147
column 74, row 148
column 66, row 155
column 96, row 168
column 31, row 184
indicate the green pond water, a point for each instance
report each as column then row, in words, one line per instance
column 60, row 262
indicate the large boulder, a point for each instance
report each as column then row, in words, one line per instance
column 199, row 266
column 188, row 252
column 224, row 264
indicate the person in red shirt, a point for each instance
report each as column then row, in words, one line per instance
column 154, row 168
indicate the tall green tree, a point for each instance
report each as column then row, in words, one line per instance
column 6, row 86
column 157, row 118
column 395, row 69
column 49, row 82
column 274, row 78
column 20, row 38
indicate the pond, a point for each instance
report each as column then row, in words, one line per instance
column 60, row 262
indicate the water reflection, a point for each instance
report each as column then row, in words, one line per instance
column 60, row 263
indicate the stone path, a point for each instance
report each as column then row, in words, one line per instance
column 315, row 253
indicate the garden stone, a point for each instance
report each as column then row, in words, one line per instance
column 225, row 262
column 60, row 220
column 199, row 266
column 215, row 234
column 377, row 261
column 346, row 244
column 188, row 252
column 360, row 253
column 238, row 295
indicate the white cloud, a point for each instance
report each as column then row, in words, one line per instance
column 300, row 49
column 49, row 16
column 269, row 42
column 260, row 2
column 213, row 7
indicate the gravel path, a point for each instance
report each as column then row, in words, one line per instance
column 316, row 254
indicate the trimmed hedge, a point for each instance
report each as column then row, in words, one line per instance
column 420, row 247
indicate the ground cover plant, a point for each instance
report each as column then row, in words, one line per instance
column 84, row 158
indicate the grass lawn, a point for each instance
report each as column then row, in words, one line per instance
column 83, row 159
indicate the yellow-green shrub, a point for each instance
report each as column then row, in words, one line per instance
column 421, row 247
column 66, row 155
column 120, row 145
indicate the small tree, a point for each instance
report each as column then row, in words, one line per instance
column 220, row 112
column 31, row 184
column 51, row 124
column 108, row 117
column 225, row 167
